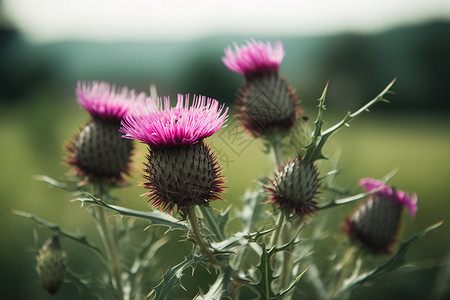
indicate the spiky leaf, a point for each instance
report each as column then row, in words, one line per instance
column 172, row 278
column 215, row 223
column 155, row 217
column 264, row 286
column 319, row 138
column 219, row 290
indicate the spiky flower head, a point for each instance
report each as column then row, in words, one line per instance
column 255, row 58
column 97, row 150
column 376, row 222
column 51, row 264
column 157, row 124
column 295, row 187
column 266, row 103
column 181, row 171
column 104, row 101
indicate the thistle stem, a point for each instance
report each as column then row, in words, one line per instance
column 111, row 250
column 276, row 234
column 104, row 232
column 278, row 153
column 279, row 158
column 193, row 222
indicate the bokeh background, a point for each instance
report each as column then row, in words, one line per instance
column 47, row 46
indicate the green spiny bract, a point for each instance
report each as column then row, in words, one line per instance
column 375, row 223
column 267, row 103
column 182, row 176
column 295, row 187
column 51, row 265
column 99, row 152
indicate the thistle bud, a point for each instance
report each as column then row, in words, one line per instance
column 376, row 222
column 266, row 103
column 97, row 150
column 295, row 187
column 51, row 265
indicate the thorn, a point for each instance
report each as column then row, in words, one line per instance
column 150, row 294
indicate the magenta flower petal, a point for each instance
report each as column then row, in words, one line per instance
column 102, row 100
column 157, row 124
column 388, row 192
column 409, row 202
column 371, row 184
column 255, row 57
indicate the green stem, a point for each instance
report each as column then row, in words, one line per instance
column 108, row 242
column 276, row 234
column 193, row 222
column 278, row 153
column 287, row 257
column 112, row 253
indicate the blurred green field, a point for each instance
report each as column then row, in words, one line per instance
column 33, row 134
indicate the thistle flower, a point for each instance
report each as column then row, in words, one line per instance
column 181, row 170
column 266, row 103
column 51, row 265
column 97, row 150
column 255, row 58
column 376, row 222
column 295, row 187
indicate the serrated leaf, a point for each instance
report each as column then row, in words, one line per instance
column 172, row 278
column 264, row 285
column 215, row 223
column 319, row 138
column 59, row 184
column 155, row 217
column 219, row 289
column 238, row 240
column 78, row 238
column 395, row 262
column 251, row 213
column 353, row 198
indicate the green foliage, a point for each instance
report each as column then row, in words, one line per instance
column 131, row 255
column 264, row 267
column 172, row 278
column 320, row 137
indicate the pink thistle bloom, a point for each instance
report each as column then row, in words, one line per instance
column 102, row 100
column 157, row 124
column 410, row 202
column 254, row 58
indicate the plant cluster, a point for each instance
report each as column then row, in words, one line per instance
column 282, row 220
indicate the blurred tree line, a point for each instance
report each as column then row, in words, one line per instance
column 358, row 66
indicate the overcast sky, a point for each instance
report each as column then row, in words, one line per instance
column 110, row 20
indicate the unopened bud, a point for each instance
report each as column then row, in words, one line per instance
column 51, row 265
